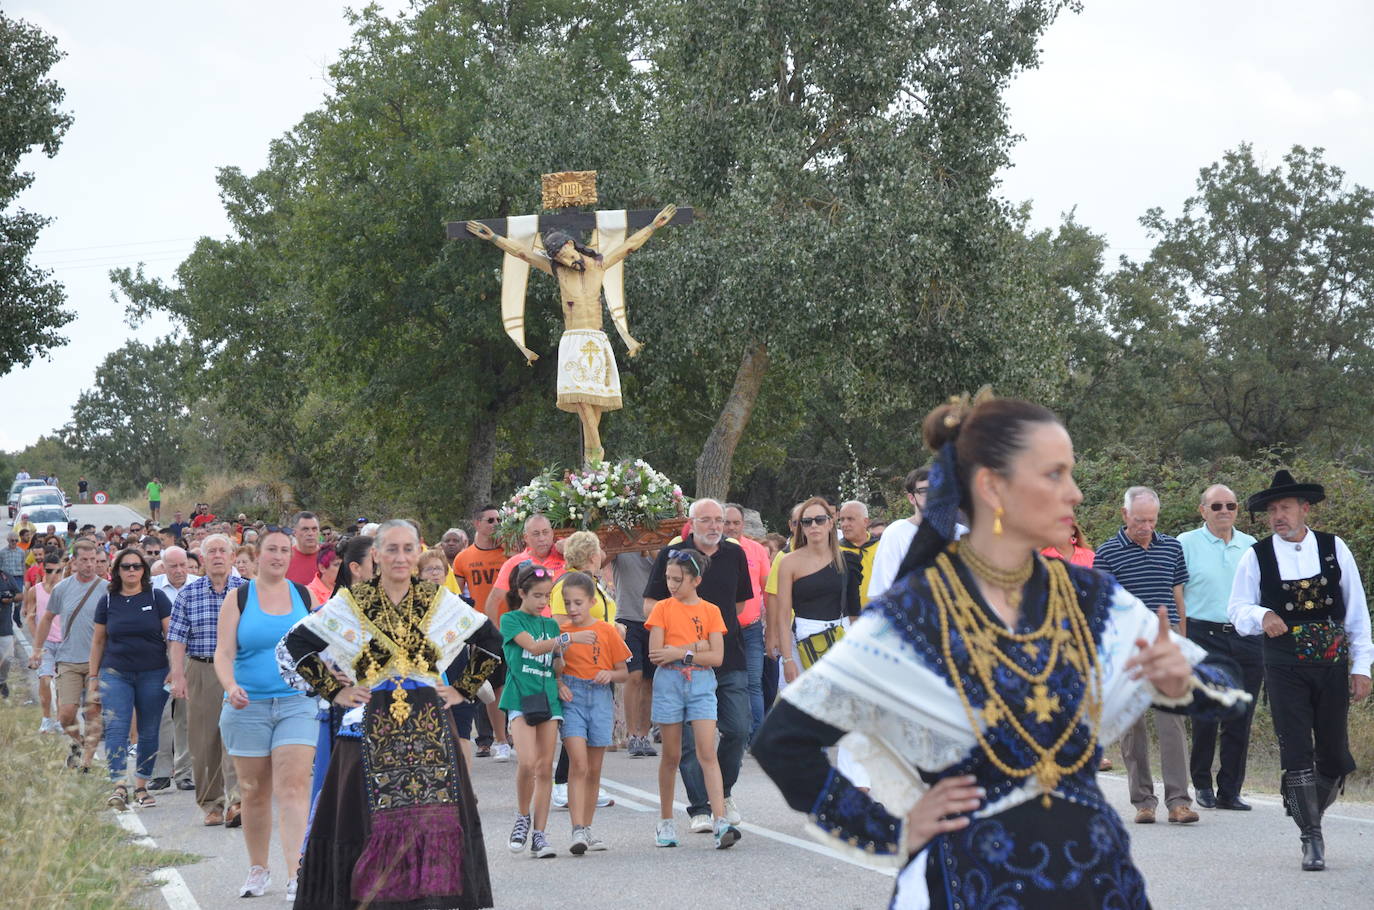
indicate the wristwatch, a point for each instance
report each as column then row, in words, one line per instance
column 688, row 659
column 564, row 639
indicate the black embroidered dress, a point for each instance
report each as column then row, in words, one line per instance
column 396, row 824
column 890, row 681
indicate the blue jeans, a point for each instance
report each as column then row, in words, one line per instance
column 732, row 720
column 121, row 693
column 753, row 658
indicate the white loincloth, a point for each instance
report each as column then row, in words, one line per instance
column 586, row 371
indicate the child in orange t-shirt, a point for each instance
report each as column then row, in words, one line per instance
column 588, row 706
column 687, row 636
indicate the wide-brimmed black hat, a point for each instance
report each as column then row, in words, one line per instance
column 1285, row 487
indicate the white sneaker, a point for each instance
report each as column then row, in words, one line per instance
column 47, row 726
column 701, row 824
column 603, row 799
column 594, row 842
column 665, row 833
column 256, row 883
column 560, row 796
column 291, row 891
column 580, row 842
column 732, row 811
column 500, row 752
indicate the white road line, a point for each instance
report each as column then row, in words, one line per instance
column 769, row 833
column 170, row 882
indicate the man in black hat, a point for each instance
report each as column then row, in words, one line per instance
column 1302, row 590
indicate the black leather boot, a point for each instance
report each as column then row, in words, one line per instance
column 1303, row 804
column 1328, row 789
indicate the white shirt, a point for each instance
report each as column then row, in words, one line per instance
column 1300, row 560
column 160, row 583
column 892, row 546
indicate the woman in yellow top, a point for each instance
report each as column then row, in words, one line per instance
column 582, row 553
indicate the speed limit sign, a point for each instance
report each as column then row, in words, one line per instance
column 101, row 497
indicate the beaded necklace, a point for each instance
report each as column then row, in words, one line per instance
column 1069, row 637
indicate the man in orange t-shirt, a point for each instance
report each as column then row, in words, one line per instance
column 477, row 565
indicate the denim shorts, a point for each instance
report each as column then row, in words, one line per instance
column 254, row 731
column 47, row 664
column 590, row 714
column 683, row 694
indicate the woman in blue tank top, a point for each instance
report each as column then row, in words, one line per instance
column 268, row 727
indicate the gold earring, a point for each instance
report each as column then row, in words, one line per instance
column 997, row 521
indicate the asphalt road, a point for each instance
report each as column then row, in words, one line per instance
column 1227, row 860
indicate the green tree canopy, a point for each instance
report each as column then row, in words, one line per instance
column 130, row 426
column 30, row 117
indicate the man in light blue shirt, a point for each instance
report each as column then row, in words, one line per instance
column 1212, row 553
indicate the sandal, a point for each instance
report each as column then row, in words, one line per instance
column 143, row 799
column 120, row 800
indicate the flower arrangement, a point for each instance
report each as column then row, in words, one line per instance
column 624, row 494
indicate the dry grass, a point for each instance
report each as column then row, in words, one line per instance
column 228, row 494
column 59, row 846
column 1262, row 770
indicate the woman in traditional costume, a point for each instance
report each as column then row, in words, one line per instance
column 994, row 675
column 396, row 822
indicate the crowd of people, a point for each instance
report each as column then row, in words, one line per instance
column 958, row 669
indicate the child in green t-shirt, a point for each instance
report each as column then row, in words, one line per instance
column 533, row 646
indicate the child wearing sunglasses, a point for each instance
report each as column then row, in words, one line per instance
column 686, row 641
column 532, row 646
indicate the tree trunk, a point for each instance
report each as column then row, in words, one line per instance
column 481, row 461
column 718, row 453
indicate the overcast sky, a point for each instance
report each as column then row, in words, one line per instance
column 1132, row 98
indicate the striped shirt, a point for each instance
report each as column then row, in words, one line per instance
column 1148, row 573
column 195, row 615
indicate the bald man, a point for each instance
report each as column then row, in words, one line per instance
column 1212, row 552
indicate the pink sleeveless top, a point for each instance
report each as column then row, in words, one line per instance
column 40, row 597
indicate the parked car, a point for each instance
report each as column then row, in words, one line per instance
column 41, row 516
column 41, row 496
column 21, row 485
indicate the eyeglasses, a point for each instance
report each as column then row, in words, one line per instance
column 131, row 567
column 815, row 520
column 920, row 491
column 1228, row 506
column 51, row 571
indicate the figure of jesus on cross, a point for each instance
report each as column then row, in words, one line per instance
column 588, row 381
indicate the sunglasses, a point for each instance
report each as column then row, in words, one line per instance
column 528, row 569
column 51, row 571
column 1228, row 506
column 815, row 520
column 131, row 567
column 685, row 556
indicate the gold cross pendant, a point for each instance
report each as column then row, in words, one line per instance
column 1042, row 704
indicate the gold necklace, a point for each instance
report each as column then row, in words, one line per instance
column 1070, row 639
column 1012, row 582
column 403, row 641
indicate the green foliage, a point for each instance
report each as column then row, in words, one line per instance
column 1250, row 325
column 1348, row 510
column 30, row 117
column 131, row 425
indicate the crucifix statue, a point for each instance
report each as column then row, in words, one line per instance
column 588, row 381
